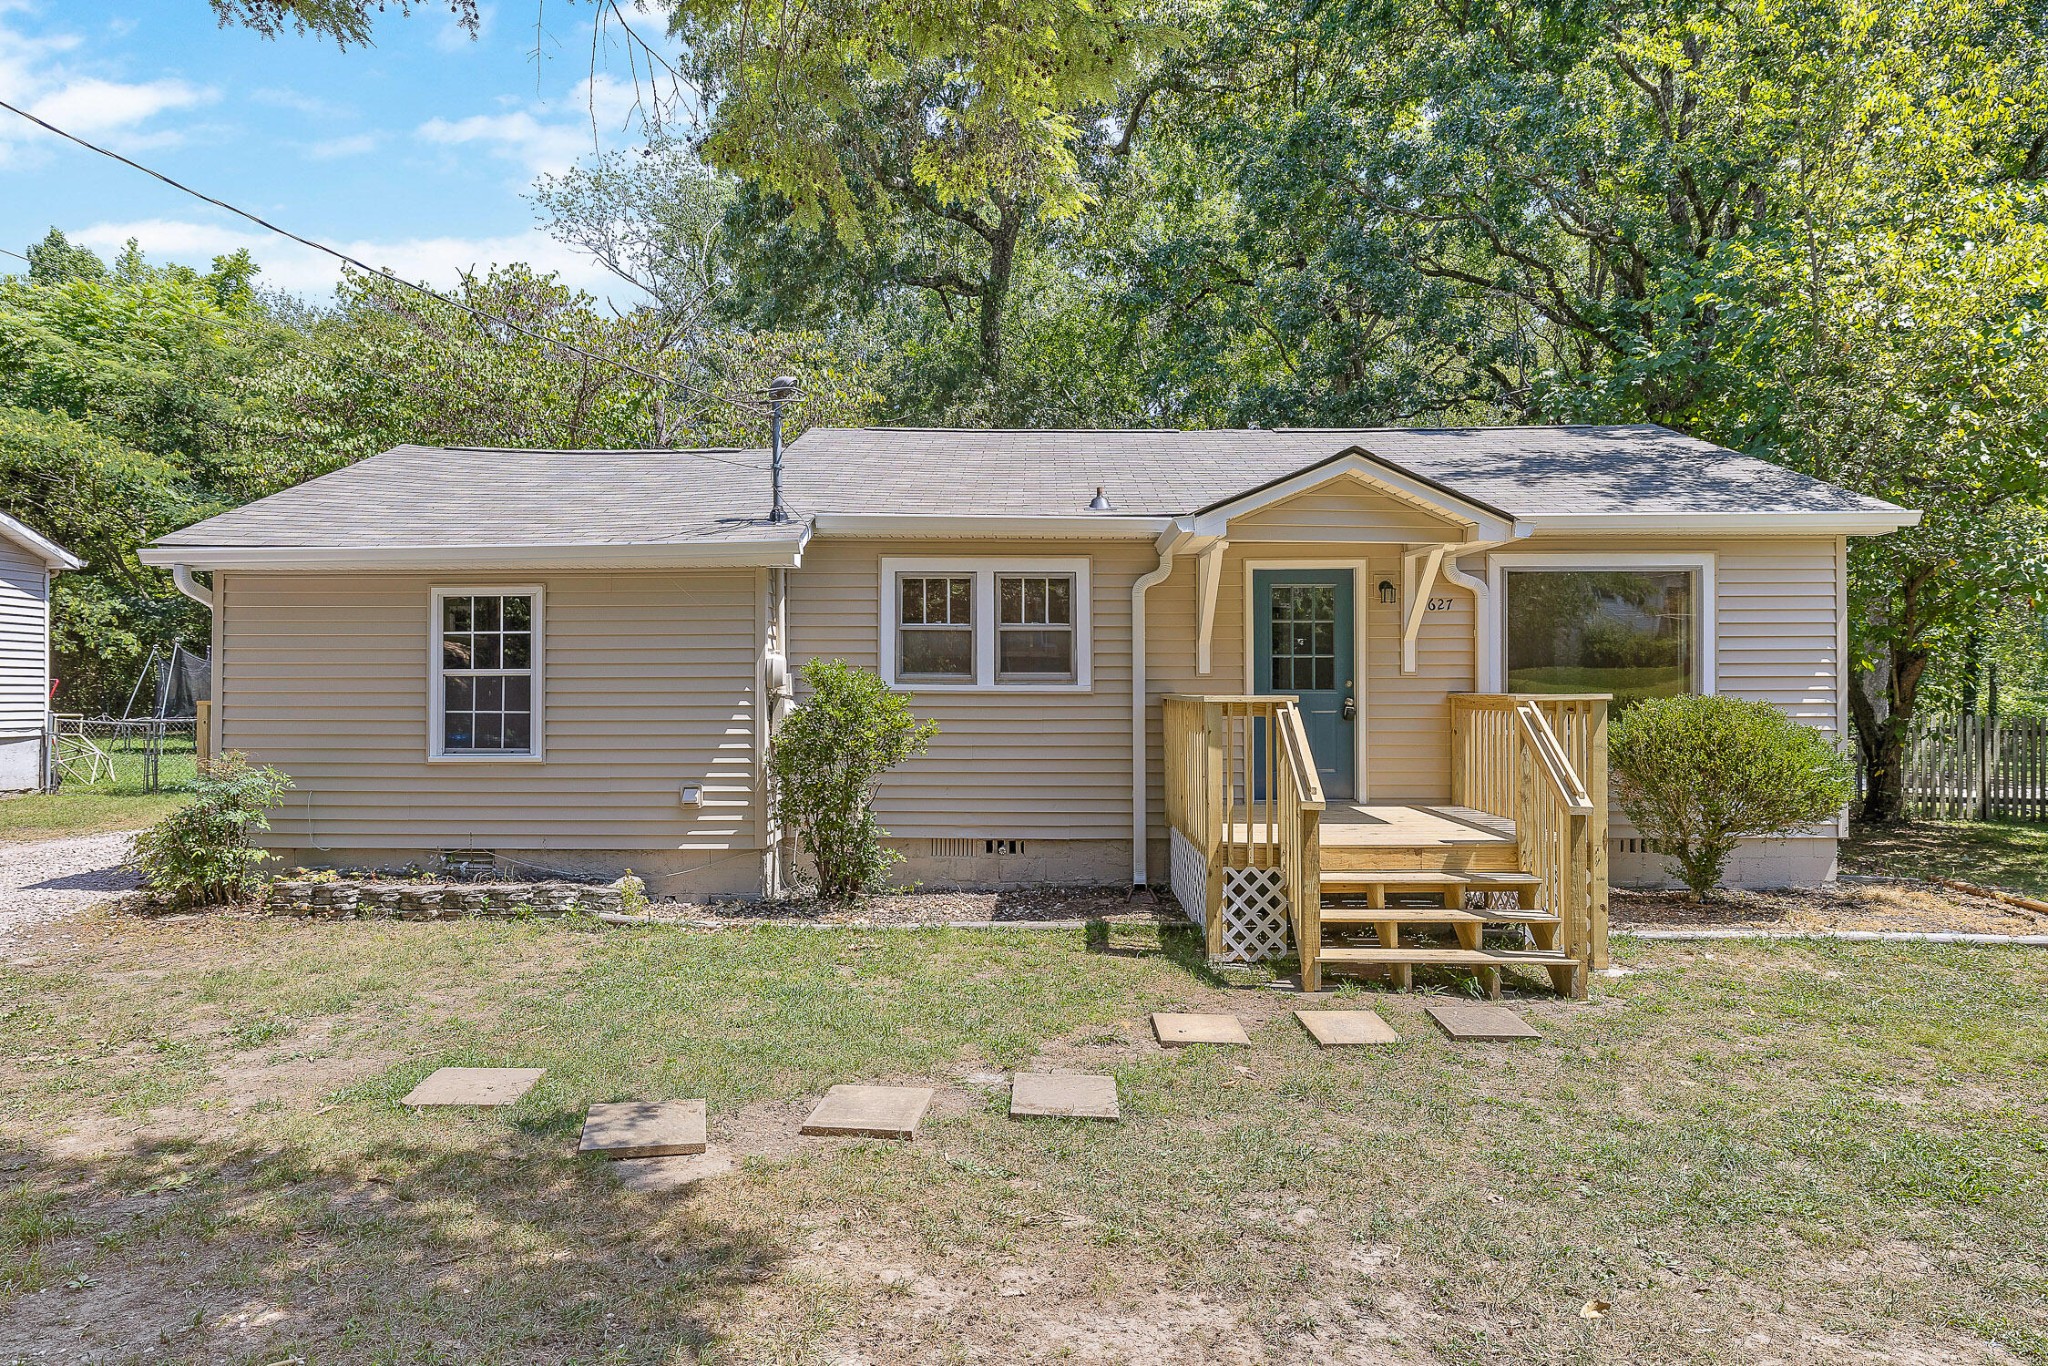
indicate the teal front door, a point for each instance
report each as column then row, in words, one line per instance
column 1302, row 644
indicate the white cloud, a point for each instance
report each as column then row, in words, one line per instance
column 546, row 137
column 354, row 145
column 436, row 261
column 41, row 74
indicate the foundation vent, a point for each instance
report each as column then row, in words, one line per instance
column 1002, row 846
column 470, row 864
column 949, row 849
column 1635, row 846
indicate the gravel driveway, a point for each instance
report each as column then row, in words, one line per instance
column 47, row 879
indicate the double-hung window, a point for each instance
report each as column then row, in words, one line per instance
column 486, row 673
column 985, row 623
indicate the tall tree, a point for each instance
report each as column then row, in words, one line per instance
column 345, row 21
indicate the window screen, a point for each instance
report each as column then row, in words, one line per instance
column 1034, row 626
column 935, row 626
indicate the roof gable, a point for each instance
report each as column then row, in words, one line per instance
column 51, row 554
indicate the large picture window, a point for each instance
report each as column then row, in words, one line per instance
column 1020, row 624
column 486, row 686
column 1631, row 632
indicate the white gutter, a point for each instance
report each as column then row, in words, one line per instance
column 1139, row 817
column 181, row 575
column 781, row 552
column 1080, row 524
column 1484, row 675
column 1872, row 523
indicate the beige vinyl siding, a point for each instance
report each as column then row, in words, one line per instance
column 1005, row 764
column 1344, row 510
column 649, row 682
column 24, row 640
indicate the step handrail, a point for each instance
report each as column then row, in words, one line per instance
column 1565, row 782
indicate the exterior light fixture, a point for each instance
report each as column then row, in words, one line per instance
column 1387, row 591
column 1100, row 502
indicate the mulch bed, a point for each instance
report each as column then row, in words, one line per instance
column 1878, row 906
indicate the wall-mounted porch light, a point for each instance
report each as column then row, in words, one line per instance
column 1387, row 594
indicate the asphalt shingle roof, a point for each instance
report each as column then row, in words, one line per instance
column 426, row 496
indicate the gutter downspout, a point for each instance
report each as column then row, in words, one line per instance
column 1170, row 545
column 1486, row 675
column 181, row 575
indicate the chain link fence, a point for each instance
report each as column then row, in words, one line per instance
column 107, row 754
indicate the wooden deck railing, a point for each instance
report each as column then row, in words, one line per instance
column 1541, row 762
column 1243, row 799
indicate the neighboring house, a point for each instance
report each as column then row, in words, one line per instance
column 28, row 564
column 570, row 659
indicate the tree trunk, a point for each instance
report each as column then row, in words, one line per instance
column 995, row 290
column 1881, row 742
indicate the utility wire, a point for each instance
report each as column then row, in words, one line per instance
column 479, row 314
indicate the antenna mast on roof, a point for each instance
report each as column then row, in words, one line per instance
column 780, row 391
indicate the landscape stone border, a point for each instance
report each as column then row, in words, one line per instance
column 439, row 901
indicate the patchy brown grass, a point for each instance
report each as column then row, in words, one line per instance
column 1886, row 906
column 1805, row 1152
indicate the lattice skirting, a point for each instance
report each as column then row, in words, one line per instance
column 1189, row 873
column 1254, row 915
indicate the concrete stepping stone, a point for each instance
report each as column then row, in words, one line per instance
column 649, row 1175
column 1060, row 1095
column 869, row 1112
column 485, row 1086
column 634, row 1128
column 1178, row 1031
column 1346, row 1028
column 1481, row 1022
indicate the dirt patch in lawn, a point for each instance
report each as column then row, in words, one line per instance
column 1877, row 906
column 926, row 907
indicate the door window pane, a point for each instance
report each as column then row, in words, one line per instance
column 1304, row 637
column 1630, row 632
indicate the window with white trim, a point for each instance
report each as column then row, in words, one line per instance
column 486, row 693
column 1019, row 624
column 1034, row 628
column 935, row 627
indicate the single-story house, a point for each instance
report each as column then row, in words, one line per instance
column 573, row 660
column 28, row 564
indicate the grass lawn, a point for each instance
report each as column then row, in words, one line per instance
column 2008, row 854
column 117, row 802
column 1791, row 1151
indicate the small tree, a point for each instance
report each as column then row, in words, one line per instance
column 1699, row 774
column 825, row 764
column 201, row 853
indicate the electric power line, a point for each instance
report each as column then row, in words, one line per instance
column 479, row 314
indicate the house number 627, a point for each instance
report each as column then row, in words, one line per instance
column 1439, row 604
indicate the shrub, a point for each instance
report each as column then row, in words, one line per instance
column 827, row 759
column 1699, row 774
column 200, row 854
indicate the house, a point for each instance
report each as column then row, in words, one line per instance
column 572, row 660
column 28, row 564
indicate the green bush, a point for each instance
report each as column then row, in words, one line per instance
column 826, row 761
column 1699, row 774
column 200, row 854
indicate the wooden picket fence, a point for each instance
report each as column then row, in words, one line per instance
column 1970, row 768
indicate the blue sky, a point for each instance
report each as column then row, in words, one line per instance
column 412, row 154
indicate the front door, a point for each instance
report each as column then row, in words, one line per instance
column 1302, row 644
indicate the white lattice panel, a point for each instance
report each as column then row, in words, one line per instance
column 1492, row 900
column 1189, row 873
column 1254, row 915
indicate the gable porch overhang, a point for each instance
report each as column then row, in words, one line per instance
column 1469, row 525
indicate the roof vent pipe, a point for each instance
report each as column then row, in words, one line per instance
column 780, row 391
column 1100, row 502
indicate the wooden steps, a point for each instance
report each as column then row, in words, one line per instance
column 1402, row 961
column 1434, row 915
column 1358, row 881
